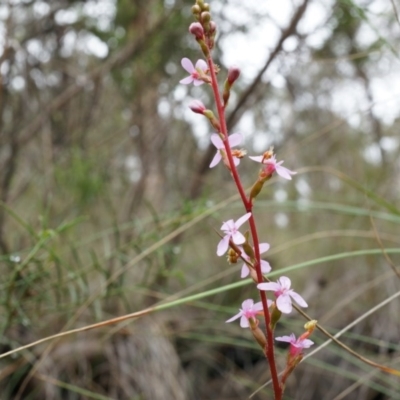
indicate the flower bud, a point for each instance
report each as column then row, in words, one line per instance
column 205, row 20
column 233, row 74
column 196, row 10
column 200, row 3
column 197, row 107
column 275, row 316
column 197, row 30
column 213, row 28
column 256, row 188
column 248, row 249
column 206, row 7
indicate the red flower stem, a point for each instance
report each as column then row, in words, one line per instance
column 269, row 351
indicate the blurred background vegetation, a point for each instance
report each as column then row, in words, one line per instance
column 100, row 160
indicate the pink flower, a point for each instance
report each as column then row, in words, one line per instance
column 193, row 71
column 231, row 230
column 283, row 294
column 234, row 140
column 265, row 267
column 296, row 345
column 248, row 310
column 271, row 165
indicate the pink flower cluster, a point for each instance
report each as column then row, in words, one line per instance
column 232, row 239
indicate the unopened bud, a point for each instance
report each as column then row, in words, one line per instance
column 206, row 7
column 256, row 189
column 248, row 249
column 197, row 30
column 205, row 19
column 197, row 107
column 213, row 28
column 275, row 316
column 200, row 3
column 233, row 74
column 196, row 10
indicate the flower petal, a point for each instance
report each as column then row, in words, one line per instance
column 256, row 158
column 284, row 172
column 186, row 81
column 285, row 282
column 217, row 141
column 217, row 158
column 245, row 271
column 201, row 64
column 286, row 338
column 228, row 225
column 197, row 82
column 238, row 238
column 244, row 322
column 235, row 139
column 265, row 267
column 187, row 65
column 306, row 343
column 264, row 247
column 242, row 220
column 247, row 304
column 258, row 306
column 284, row 304
column 269, row 286
column 298, row 299
column 223, row 246
column 238, row 315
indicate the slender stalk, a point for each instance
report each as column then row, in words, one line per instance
column 247, row 203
